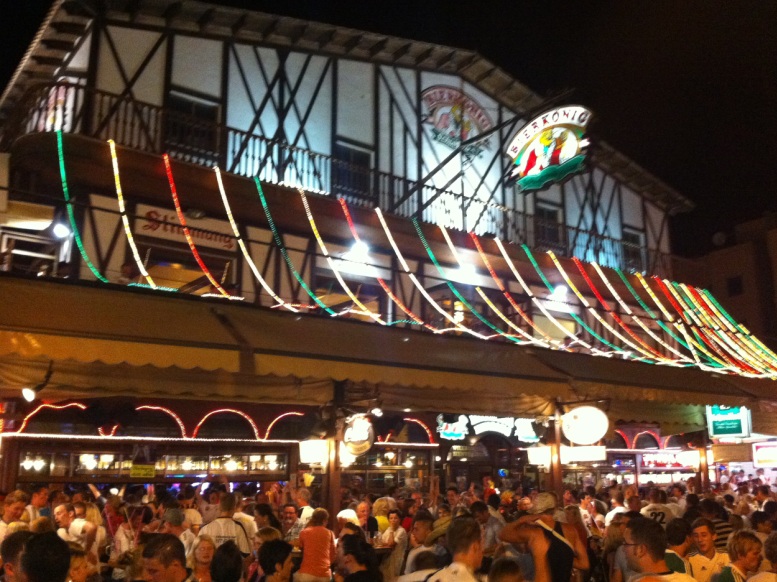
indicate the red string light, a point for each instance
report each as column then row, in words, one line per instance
column 279, row 417
column 423, row 425
column 186, row 232
column 231, row 411
column 53, row 406
column 167, row 411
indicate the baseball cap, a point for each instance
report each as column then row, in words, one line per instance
column 543, row 503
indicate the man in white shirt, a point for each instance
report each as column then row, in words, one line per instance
column 13, row 508
column 76, row 529
column 707, row 562
column 617, row 507
column 302, row 497
column 225, row 527
column 174, row 524
column 657, row 509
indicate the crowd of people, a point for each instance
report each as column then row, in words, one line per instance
column 214, row 533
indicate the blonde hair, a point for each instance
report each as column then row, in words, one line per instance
column 15, row 526
column 267, row 534
column 41, row 525
column 191, row 561
column 92, row 515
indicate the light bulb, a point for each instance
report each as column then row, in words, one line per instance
column 60, row 230
column 408, row 464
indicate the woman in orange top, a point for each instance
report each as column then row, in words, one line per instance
column 318, row 550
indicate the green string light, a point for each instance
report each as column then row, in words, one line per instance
column 453, row 288
column 282, row 248
column 70, row 213
column 574, row 315
column 647, row 309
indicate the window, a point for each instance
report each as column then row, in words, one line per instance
column 633, row 251
column 351, row 172
column 734, row 286
column 547, row 229
column 191, row 129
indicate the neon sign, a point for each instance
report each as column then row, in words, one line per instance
column 507, row 426
column 550, row 147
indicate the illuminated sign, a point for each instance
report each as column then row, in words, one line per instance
column 507, row 426
column 359, row 436
column 728, row 421
column 455, row 117
column 765, row 454
column 453, row 431
column 161, row 223
column 550, row 147
column 584, row 425
column 541, row 456
column 671, row 460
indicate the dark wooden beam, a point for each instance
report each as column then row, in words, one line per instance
column 206, row 18
column 402, row 51
column 240, row 23
column 352, row 42
column 424, row 55
column 378, row 47
column 325, row 38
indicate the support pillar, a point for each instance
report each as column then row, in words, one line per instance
column 556, row 475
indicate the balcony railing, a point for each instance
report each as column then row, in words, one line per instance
column 73, row 108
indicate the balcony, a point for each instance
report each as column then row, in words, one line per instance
column 76, row 109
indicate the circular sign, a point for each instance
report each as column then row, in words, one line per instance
column 584, row 425
column 359, row 436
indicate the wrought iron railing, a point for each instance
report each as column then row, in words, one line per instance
column 74, row 108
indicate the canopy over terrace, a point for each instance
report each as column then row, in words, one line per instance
column 108, row 340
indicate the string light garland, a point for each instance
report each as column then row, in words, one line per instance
column 424, row 426
column 456, row 325
column 535, row 300
column 240, row 413
column 455, row 291
column 549, row 342
column 634, row 316
column 331, row 263
column 168, row 412
column 71, row 213
column 381, row 281
column 123, row 214
column 244, row 249
column 187, row 233
column 649, row 311
column 574, row 316
column 584, row 301
column 484, row 297
column 32, row 414
column 282, row 249
column 279, row 417
column 641, row 345
column 695, row 321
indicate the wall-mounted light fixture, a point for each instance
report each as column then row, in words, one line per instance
column 30, row 394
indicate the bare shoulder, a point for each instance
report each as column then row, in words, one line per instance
column 569, row 531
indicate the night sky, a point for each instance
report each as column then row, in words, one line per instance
column 686, row 89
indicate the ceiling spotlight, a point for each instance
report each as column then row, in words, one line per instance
column 559, row 294
column 60, row 230
column 29, row 394
column 377, row 411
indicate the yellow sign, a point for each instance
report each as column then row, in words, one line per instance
column 142, row 471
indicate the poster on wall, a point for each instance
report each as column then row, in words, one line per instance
column 455, row 117
column 550, row 147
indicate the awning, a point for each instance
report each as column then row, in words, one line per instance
column 72, row 379
column 135, row 340
column 115, row 340
column 645, row 384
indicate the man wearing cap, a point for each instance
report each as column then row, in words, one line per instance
column 555, row 547
column 173, row 524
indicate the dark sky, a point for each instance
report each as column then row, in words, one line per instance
column 687, row 89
